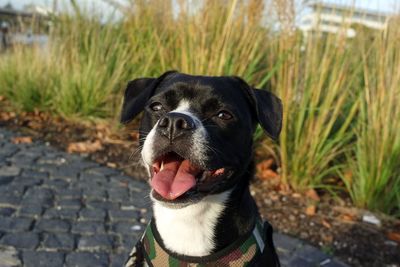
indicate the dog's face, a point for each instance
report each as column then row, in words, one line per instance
column 196, row 132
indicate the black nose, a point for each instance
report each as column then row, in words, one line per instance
column 174, row 125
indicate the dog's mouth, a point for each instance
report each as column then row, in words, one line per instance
column 174, row 177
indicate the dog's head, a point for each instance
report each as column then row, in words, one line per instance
column 196, row 132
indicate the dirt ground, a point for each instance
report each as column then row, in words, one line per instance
column 330, row 223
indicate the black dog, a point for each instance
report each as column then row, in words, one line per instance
column 196, row 137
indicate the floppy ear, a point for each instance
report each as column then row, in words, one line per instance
column 137, row 93
column 269, row 111
column 267, row 107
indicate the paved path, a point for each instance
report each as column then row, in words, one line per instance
column 58, row 209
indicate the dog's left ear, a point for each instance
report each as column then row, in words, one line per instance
column 137, row 93
column 268, row 109
column 269, row 112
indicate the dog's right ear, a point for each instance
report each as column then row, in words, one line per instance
column 137, row 93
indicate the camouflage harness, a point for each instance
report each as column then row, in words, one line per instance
column 245, row 251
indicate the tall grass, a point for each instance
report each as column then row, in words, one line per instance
column 374, row 182
column 315, row 81
column 339, row 95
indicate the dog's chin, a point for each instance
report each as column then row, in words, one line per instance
column 182, row 201
column 178, row 182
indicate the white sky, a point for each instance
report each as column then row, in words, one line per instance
column 378, row 5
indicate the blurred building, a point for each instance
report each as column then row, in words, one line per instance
column 27, row 26
column 339, row 19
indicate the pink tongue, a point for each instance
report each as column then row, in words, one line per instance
column 176, row 178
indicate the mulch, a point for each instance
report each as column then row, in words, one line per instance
column 331, row 223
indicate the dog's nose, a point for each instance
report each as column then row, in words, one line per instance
column 174, row 125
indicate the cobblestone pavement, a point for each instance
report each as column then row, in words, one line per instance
column 58, row 209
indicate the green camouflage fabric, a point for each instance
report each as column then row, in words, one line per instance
column 240, row 254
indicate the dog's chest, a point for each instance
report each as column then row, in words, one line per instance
column 190, row 230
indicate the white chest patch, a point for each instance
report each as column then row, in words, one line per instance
column 190, row 230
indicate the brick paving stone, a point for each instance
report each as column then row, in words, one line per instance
column 285, row 243
column 102, row 204
column 9, row 257
column 95, row 243
column 41, row 258
column 70, row 203
column 30, row 210
column 87, row 214
column 126, row 227
column 85, row 259
column 42, row 196
column 101, row 170
column 63, row 193
column 124, row 179
column 118, row 260
column 88, row 227
column 9, row 171
column 310, row 253
column 128, row 241
column 62, row 213
column 6, row 212
column 334, row 263
column 22, row 159
column 284, row 258
column 94, row 193
column 14, row 224
column 53, row 225
column 124, row 215
column 27, row 181
column 138, row 186
column 12, row 189
column 59, row 241
column 21, row 240
column 139, row 201
column 57, row 183
column 300, row 262
column 118, row 194
column 8, row 150
column 4, row 180
column 67, row 174
column 9, row 200
column 34, row 174
column 52, row 160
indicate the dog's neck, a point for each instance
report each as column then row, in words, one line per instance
column 208, row 226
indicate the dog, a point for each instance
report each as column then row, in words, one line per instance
column 196, row 140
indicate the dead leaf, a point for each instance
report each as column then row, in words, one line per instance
column 312, row 194
column 296, row 195
column 268, row 174
column 2, row 98
column 394, row 236
column 34, row 125
column 5, row 116
column 134, row 135
column 274, row 197
column 265, row 165
column 348, row 176
column 326, row 224
column 310, row 210
column 22, row 140
column 327, row 238
column 111, row 164
column 84, row 147
column 347, row 218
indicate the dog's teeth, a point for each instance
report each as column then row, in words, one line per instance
column 162, row 165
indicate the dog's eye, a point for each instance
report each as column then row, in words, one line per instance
column 156, row 106
column 224, row 115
